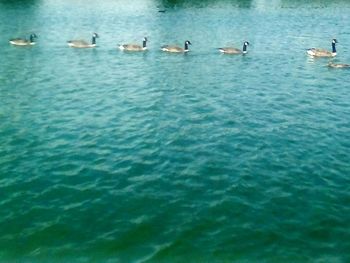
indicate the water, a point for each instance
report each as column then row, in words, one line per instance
column 114, row 157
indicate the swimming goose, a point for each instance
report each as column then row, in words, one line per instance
column 316, row 52
column 175, row 49
column 83, row 43
column 133, row 47
column 338, row 65
column 235, row 51
column 23, row 42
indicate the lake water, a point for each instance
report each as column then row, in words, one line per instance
column 108, row 156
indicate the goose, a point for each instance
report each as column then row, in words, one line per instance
column 316, row 52
column 83, row 43
column 235, row 51
column 133, row 47
column 24, row 42
column 338, row 65
column 176, row 49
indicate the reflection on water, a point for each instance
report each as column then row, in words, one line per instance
column 314, row 3
column 19, row 3
column 204, row 3
column 188, row 4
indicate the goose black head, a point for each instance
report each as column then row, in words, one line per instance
column 334, row 41
column 32, row 37
column 188, row 42
column 145, row 39
column 95, row 35
column 245, row 44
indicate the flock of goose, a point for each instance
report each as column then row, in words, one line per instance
column 313, row 52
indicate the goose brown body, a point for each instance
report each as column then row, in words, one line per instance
column 176, row 49
column 233, row 50
column 23, row 42
column 134, row 47
column 318, row 52
column 82, row 43
column 338, row 65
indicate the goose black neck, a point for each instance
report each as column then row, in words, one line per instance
column 333, row 48
column 244, row 47
column 31, row 38
column 144, row 43
column 93, row 40
column 186, row 46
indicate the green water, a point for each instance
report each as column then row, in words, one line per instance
column 107, row 156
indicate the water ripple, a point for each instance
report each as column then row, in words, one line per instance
column 113, row 157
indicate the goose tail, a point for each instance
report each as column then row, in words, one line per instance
column 310, row 51
column 165, row 47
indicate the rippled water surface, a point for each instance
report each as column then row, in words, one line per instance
column 108, row 156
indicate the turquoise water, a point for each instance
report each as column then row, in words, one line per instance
column 107, row 156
